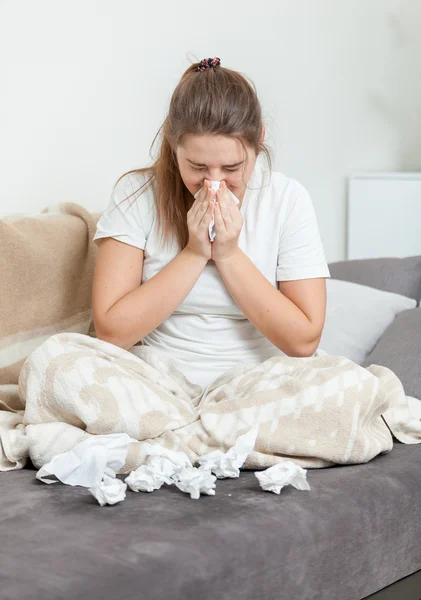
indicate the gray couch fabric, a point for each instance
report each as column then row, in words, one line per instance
column 357, row 531
column 398, row 275
column 399, row 349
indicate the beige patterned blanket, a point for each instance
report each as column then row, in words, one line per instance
column 319, row 411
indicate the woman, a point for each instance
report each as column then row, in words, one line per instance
column 193, row 335
column 258, row 290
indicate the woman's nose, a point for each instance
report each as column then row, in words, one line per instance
column 214, row 174
column 215, row 177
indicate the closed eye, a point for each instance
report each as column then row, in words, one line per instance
column 202, row 168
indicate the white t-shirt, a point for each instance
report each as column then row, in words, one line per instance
column 208, row 334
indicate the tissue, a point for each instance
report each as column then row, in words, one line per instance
column 284, row 473
column 167, row 466
column 215, row 186
column 152, row 475
column 228, row 464
column 144, row 479
column 109, row 491
column 195, row 481
column 162, row 466
column 88, row 461
column 94, row 462
column 179, row 459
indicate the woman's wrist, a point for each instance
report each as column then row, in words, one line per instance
column 233, row 256
column 193, row 257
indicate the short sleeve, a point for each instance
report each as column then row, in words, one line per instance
column 128, row 217
column 300, row 250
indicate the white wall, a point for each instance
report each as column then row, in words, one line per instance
column 85, row 85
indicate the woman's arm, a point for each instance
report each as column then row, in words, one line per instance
column 291, row 317
column 143, row 309
column 278, row 318
column 139, row 312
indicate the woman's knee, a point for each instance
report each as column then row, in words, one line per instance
column 46, row 353
column 68, row 338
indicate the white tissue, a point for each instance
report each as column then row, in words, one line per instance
column 152, row 475
column 88, row 461
column 168, row 466
column 165, row 466
column 195, row 481
column 109, row 491
column 228, row 464
column 161, row 466
column 94, row 462
column 179, row 459
column 284, row 473
column 144, row 479
column 215, row 186
column 414, row 405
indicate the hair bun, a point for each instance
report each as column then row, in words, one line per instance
column 207, row 63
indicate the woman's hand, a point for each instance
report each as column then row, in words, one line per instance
column 228, row 224
column 198, row 219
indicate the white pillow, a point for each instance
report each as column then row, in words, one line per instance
column 357, row 316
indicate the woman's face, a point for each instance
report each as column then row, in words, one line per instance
column 217, row 158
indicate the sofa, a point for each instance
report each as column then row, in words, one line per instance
column 356, row 534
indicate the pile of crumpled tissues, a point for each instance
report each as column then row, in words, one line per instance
column 94, row 463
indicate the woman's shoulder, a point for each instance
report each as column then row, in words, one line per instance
column 134, row 193
column 129, row 216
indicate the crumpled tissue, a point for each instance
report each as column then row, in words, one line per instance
column 93, row 463
column 227, row 464
column 109, row 491
column 283, row 473
column 177, row 458
column 215, row 186
column 87, row 462
column 195, row 481
column 169, row 466
column 150, row 476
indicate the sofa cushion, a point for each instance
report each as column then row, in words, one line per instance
column 399, row 349
column 357, row 316
column 46, row 270
column 399, row 275
column 356, row 531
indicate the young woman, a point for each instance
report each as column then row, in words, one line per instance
column 258, row 290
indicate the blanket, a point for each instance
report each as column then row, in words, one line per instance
column 47, row 263
column 319, row 411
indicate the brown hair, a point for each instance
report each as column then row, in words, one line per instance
column 216, row 101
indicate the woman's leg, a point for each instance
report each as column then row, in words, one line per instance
column 101, row 388
column 303, row 407
column 320, row 410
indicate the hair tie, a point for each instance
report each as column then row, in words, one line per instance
column 207, row 63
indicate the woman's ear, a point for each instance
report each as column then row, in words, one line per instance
column 262, row 137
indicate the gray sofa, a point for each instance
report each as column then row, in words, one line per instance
column 355, row 535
